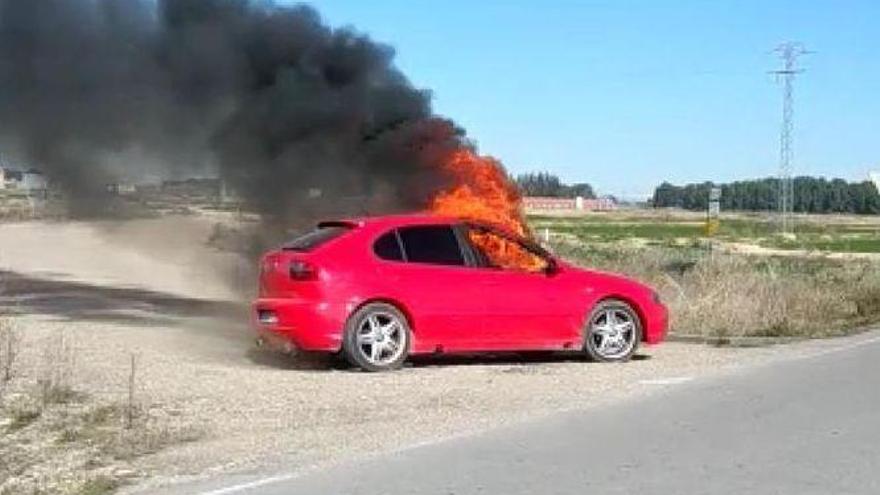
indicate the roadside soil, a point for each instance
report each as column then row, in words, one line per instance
column 154, row 289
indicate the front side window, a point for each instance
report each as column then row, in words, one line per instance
column 432, row 244
column 496, row 251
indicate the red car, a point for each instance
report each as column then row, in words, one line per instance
column 380, row 289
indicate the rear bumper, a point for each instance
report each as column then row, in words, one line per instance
column 304, row 325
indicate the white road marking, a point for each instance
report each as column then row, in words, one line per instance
column 252, row 484
column 674, row 380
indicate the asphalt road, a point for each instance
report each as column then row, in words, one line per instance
column 800, row 426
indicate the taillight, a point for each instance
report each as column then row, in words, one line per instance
column 302, row 270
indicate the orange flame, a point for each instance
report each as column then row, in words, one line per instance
column 483, row 192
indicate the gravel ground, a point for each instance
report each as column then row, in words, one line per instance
column 151, row 289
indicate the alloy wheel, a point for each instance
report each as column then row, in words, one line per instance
column 613, row 333
column 381, row 338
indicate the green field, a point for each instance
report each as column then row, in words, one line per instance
column 844, row 234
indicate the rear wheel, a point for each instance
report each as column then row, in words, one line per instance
column 377, row 338
column 613, row 331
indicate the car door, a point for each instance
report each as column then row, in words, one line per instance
column 433, row 280
column 524, row 307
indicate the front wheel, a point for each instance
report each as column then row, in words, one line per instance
column 613, row 331
column 377, row 338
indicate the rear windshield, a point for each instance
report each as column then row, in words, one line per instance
column 315, row 238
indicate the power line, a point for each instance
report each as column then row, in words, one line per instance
column 789, row 53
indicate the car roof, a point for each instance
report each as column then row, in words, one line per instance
column 397, row 220
column 403, row 220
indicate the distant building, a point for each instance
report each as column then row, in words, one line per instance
column 546, row 203
column 10, row 178
column 4, row 165
column 121, row 188
column 33, row 180
column 27, row 180
column 549, row 203
column 148, row 188
column 192, row 188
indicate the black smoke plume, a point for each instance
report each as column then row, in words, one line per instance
column 297, row 117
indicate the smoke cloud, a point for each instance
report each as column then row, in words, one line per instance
column 269, row 97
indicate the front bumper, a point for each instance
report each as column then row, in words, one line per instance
column 657, row 324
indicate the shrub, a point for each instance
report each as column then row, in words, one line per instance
column 727, row 295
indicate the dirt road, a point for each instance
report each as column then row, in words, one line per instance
column 154, row 289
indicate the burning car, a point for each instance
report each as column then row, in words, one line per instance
column 378, row 290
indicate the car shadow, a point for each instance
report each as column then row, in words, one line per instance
column 524, row 359
column 299, row 361
column 514, row 362
column 73, row 300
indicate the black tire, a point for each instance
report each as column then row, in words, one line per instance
column 592, row 333
column 356, row 354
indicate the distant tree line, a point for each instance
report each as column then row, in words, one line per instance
column 811, row 195
column 547, row 184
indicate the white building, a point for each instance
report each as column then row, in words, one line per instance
column 27, row 180
column 10, row 178
column 33, row 180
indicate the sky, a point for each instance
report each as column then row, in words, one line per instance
column 627, row 94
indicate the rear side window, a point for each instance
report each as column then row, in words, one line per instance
column 387, row 247
column 434, row 244
column 315, row 238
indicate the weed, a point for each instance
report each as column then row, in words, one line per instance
column 101, row 415
column 147, row 439
column 52, row 393
column 100, row 485
column 22, row 418
column 10, row 342
column 69, row 435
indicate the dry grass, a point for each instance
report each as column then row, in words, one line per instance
column 57, row 439
column 72, row 449
column 727, row 295
column 10, row 343
column 99, row 485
